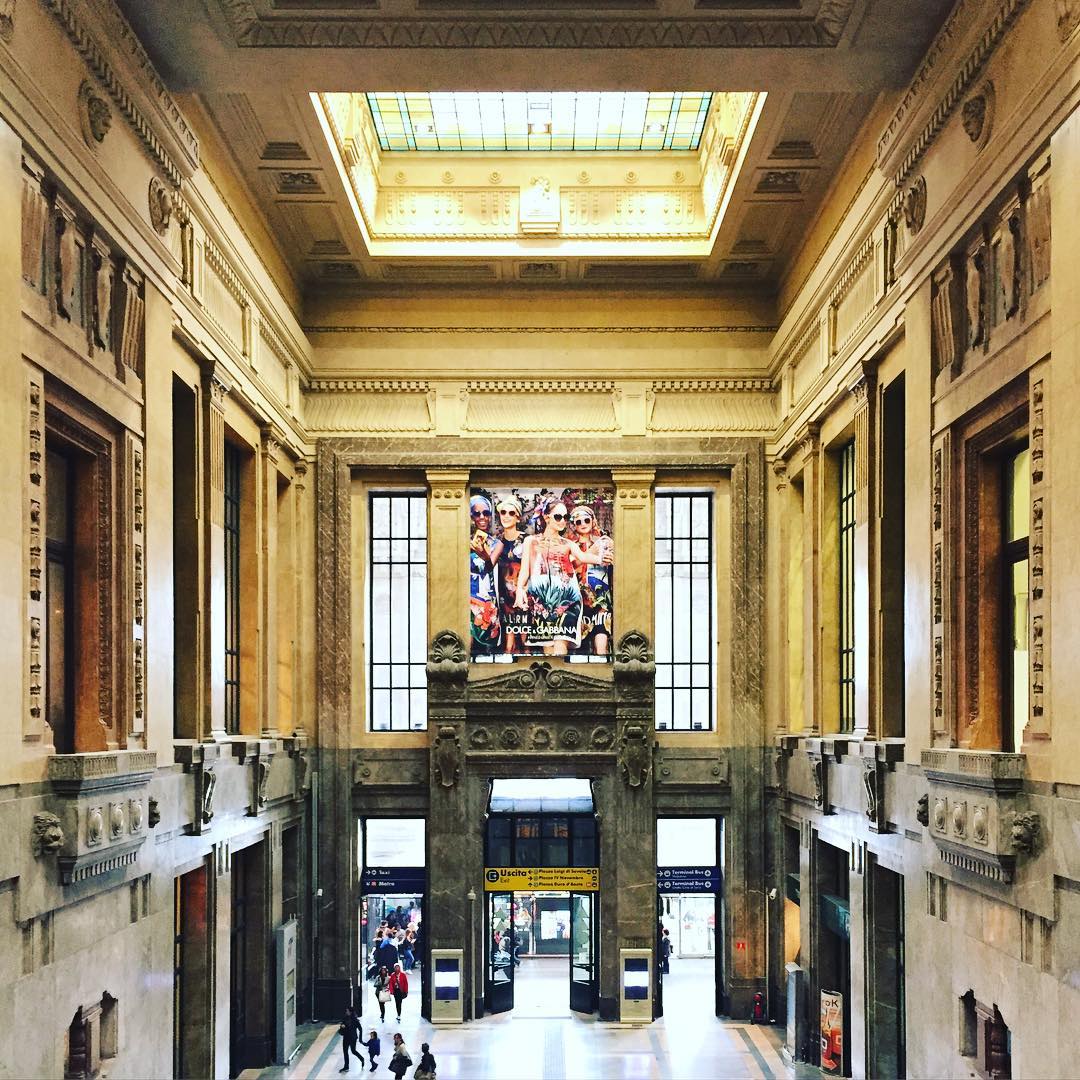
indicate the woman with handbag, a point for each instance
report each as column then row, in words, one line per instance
column 399, row 987
column 426, row 1069
column 400, row 1062
column 382, row 991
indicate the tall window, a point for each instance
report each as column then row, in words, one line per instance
column 233, row 468
column 891, row 541
column 685, row 646
column 397, row 612
column 1017, row 500
column 60, row 599
column 847, row 587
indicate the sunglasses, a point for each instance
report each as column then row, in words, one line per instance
column 508, row 513
column 580, row 520
column 558, row 517
column 481, row 513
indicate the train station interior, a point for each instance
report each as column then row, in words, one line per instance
column 531, row 547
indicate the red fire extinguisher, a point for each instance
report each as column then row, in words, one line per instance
column 759, row 1008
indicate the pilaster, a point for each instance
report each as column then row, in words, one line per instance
column 865, row 586
column 448, row 539
column 212, row 527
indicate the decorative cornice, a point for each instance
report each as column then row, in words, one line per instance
column 968, row 71
column 822, row 31
column 368, row 386
column 548, row 386
column 539, row 329
column 750, row 384
column 68, row 15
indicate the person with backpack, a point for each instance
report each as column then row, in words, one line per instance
column 400, row 1061
column 350, row 1032
column 426, row 1068
column 399, row 987
column 374, row 1048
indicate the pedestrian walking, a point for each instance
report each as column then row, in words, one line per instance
column 399, row 987
column 426, row 1068
column 665, row 953
column 381, row 985
column 374, row 1048
column 350, row 1032
column 400, row 1062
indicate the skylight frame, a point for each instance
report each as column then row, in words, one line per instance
column 594, row 122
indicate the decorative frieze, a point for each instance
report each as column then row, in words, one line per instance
column 1037, row 213
column 35, row 216
column 1038, row 726
column 947, row 320
column 34, row 726
column 941, row 588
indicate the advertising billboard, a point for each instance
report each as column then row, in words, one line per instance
column 832, row 1032
column 541, row 568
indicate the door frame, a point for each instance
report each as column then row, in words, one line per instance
column 588, row 1000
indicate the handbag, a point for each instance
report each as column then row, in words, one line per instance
column 384, row 996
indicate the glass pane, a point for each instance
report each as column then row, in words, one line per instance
column 1020, row 670
column 380, row 551
column 686, row 841
column 680, row 608
column 399, row 620
column 663, row 515
column 418, row 517
column 56, row 496
column 680, row 525
column 399, row 709
column 500, row 959
column 379, row 645
column 399, row 518
column 417, row 612
column 663, row 710
column 395, row 842
column 56, row 641
column 380, row 517
column 581, row 937
column 1018, row 495
column 663, row 614
column 380, row 710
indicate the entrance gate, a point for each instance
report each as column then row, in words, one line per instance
column 503, row 946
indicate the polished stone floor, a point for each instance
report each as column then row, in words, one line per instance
column 542, row 1040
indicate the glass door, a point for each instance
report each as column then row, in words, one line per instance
column 500, row 952
column 583, row 985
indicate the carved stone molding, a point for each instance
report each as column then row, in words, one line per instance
column 1024, row 831
column 7, row 20
column 200, row 759
column 448, row 662
column 824, row 30
column 1038, row 726
column 169, row 140
column 633, row 657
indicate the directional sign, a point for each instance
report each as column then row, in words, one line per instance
column 395, row 880
column 688, row 879
column 541, row 879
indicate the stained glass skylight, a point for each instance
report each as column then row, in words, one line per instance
column 554, row 121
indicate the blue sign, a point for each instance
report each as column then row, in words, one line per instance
column 395, row 880
column 688, row 879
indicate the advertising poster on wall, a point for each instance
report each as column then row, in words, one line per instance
column 541, row 569
column 832, row 1032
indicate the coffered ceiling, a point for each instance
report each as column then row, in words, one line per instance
column 259, row 66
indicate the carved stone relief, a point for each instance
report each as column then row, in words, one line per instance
column 1068, row 18
column 446, row 753
column 977, row 115
column 915, row 205
column 1037, row 212
column 153, row 813
column 95, row 826
column 160, row 205
column 95, row 116
column 35, row 215
column 922, row 810
column 635, row 755
column 447, row 658
column 46, row 835
column 1008, row 262
column 7, row 20
column 974, row 294
column 104, row 273
column 1024, row 832
column 67, row 265
column 947, row 319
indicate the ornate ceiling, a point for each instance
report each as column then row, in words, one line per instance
column 254, row 65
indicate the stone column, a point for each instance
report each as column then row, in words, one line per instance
column 212, row 527
column 866, row 591
column 634, row 561
column 455, row 818
column 628, row 819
